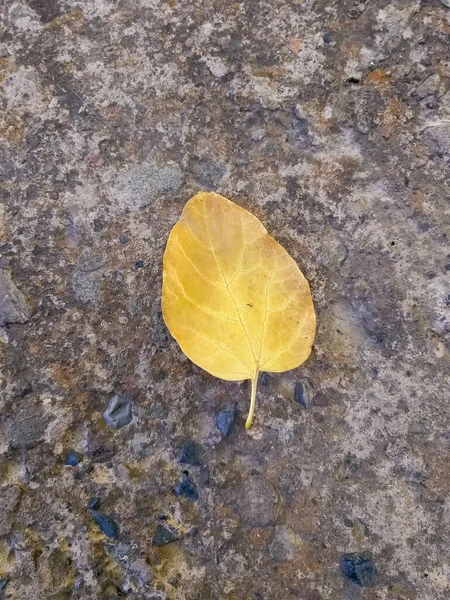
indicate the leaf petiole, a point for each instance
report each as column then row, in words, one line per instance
column 249, row 421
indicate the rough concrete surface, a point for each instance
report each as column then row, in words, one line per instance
column 329, row 120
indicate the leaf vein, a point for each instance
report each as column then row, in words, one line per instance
column 195, row 267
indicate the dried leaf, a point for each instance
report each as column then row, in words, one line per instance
column 232, row 297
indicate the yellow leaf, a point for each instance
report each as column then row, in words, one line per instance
column 232, row 297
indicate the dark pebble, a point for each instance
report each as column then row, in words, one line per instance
column 264, row 379
column 124, row 239
column 359, row 568
column 94, row 503
column 302, row 394
column 226, row 419
column 189, row 453
column 73, row 458
column 186, row 488
column 164, row 535
column 327, row 38
column 139, row 264
column 119, row 412
column 3, row 583
column 447, row 267
column 106, row 525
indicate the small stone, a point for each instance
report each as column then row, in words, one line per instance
column 141, row 571
column 9, row 498
column 88, row 275
column 298, row 135
column 90, row 261
column 28, row 426
column 225, row 420
column 217, row 66
column 119, row 412
column 3, row 583
column 264, row 379
column 359, row 568
column 302, row 393
column 140, row 186
column 164, row 535
column 78, row 583
column 258, row 135
column 446, row 3
column 124, row 239
column 106, row 525
column 327, row 38
column 13, row 305
column 139, row 265
column 73, row 458
column 94, row 503
column 282, row 546
column 186, row 488
column 189, row 453
column 209, row 172
column 447, row 267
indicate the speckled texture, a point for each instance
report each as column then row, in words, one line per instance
column 330, row 120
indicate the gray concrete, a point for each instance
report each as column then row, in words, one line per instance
column 329, row 120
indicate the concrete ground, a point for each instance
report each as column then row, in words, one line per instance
column 329, row 120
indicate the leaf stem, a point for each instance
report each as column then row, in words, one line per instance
column 249, row 421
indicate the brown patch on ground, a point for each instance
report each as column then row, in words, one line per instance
column 12, row 128
column 380, row 78
column 6, row 67
column 259, row 537
column 303, row 513
column 273, row 73
column 390, row 117
column 439, row 472
column 295, row 45
column 67, row 19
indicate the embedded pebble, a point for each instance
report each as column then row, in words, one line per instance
column 359, row 568
column 303, row 393
column 189, row 453
column 186, row 488
column 209, row 172
column 225, row 420
column 13, row 304
column 258, row 135
column 164, row 535
column 9, row 499
column 27, row 427
column 282, row 546
column 87, row 276
column 106, row 525
column 94, row 503
column 73, row 458
column 145, row 183
column 119, row 411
